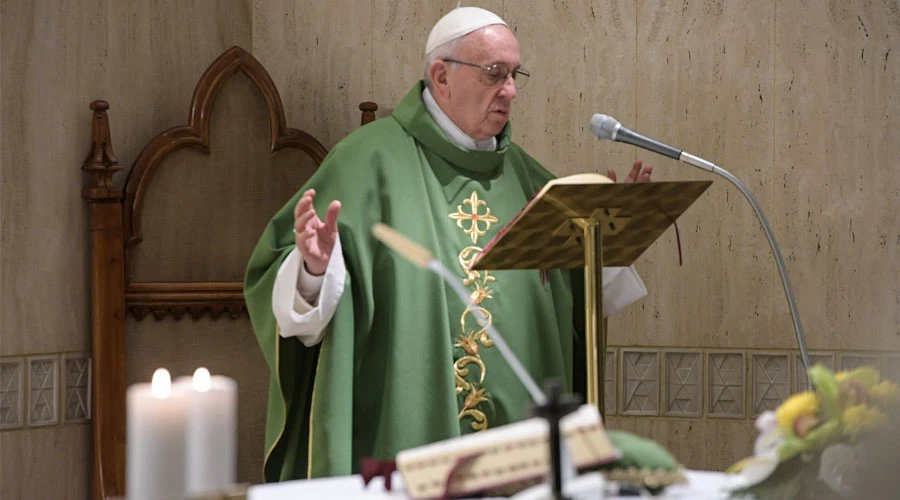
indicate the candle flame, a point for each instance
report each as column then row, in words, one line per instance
column 161, row 386
column 201, row 380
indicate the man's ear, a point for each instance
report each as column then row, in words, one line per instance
column 438, row 73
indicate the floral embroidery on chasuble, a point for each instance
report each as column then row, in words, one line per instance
column 473, row 217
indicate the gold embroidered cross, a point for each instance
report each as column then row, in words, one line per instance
column 474, row 230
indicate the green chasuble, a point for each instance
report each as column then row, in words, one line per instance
column 401, row 365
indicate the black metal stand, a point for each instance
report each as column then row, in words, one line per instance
column 558, row 406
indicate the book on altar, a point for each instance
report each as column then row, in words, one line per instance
column 503, row 457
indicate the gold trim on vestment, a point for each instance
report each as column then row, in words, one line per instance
column 472, row 391
column 283, row 402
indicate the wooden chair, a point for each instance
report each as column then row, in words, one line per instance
column 119, row 280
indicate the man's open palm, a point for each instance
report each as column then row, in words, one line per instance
column 639, row 173
column 315, row 239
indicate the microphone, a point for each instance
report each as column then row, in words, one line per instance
column 608, row 128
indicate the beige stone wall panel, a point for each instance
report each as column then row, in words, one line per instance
column 320, row 57
column 704, row 84
column 837, row 81
column 581, row 56
column 32, row 457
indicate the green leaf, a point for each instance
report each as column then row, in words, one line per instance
column 791, row 446
column 828, row 391
column 822, row 435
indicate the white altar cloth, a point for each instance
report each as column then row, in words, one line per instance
column 702, row 485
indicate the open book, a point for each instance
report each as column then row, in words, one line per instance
column 585, row 178
column 509, row 457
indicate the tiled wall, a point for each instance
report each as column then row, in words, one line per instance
column 45, row 390
column 715, row 383
column 684, row 385
column 663, row 388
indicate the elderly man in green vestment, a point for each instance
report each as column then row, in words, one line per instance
column 370, row 355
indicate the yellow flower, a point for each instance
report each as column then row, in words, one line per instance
column 802, row 404
column 861, row 418
column 840, row 376
column 885, row 393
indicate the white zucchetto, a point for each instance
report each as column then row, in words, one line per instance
column 460, row 22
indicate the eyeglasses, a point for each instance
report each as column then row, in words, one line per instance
column 496, row 74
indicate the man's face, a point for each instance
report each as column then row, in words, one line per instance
column 481, row 110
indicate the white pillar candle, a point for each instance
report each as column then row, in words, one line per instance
column 211, row 431
column 155, row 460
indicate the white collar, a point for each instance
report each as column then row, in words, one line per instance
column 456, row 135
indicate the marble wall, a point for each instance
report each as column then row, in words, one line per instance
column 797, row 98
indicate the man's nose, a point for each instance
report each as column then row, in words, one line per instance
column 509, row 87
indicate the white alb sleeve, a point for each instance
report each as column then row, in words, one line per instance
column 309, row 286
column 295, row 316
column 621, row 287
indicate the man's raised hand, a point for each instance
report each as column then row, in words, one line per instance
column 639, row 173
column 315, row 239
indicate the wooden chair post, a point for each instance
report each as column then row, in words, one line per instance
column 107, row 312
column 368, row 109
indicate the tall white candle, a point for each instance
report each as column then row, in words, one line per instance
column 211, row 431
column 155, row 421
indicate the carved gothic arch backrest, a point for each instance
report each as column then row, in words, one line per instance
column 196, row 133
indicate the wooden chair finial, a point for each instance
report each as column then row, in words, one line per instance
column 101, row 162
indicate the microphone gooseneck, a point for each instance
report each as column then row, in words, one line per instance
column 608, row 128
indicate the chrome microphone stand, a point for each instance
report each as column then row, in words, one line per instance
column 779, row 260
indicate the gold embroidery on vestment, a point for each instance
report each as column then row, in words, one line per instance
column 474, row 224
column 466, row 259
column 476, row 396
column 473, row 217
column 460, row 371
column 480, row 335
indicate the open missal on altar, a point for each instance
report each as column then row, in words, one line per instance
column 502, row 457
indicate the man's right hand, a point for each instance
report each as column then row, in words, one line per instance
column 639, row 173
column 314, row 238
